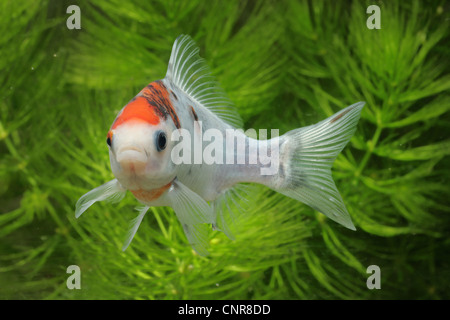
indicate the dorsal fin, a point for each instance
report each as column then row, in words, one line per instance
column 190, row 73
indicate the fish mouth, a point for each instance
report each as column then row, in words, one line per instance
column 132, row 156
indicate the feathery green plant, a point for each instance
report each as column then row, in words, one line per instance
column 285, row 65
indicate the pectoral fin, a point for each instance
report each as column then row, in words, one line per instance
column 134, row 225
column 189, row 207
column 111, row 191
column 193, row 212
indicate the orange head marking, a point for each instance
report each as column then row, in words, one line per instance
column 137, row 110
column 150, row 195
column 158, row 97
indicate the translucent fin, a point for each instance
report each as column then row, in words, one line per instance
column 189, row 207
column 193, row 212
column 227, row 208
column 111, row 191
column 134, row 225
column 197, row 236
column 310, row 153
column 192, row 75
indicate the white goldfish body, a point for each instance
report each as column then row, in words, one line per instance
column 145, row 138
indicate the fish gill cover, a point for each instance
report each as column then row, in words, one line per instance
column 285, row 65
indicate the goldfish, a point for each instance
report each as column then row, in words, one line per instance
column 157, row 152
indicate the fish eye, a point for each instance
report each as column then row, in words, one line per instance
column 161, row 140
column 109, row 138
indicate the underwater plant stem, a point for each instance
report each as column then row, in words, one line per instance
column 371, row 146
column 161, row 224
column 62, row 227
column 13, row 151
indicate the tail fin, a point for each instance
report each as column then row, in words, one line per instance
column 308, row 155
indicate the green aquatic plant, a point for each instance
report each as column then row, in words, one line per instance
column 284, row 65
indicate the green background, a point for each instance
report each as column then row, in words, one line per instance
column 285, row 64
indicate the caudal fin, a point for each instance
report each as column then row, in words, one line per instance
column 307, row 157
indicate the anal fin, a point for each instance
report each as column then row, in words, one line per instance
column 227, row 208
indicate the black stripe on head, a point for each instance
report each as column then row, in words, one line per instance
column 194, row 114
